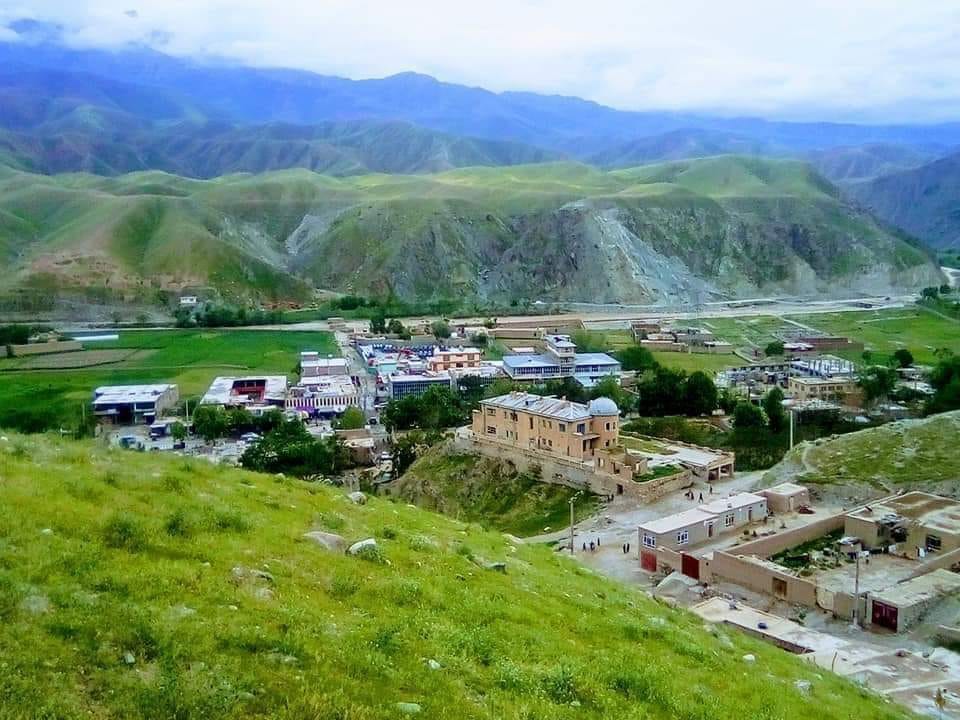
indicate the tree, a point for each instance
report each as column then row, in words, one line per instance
column 439, row 407
column 178, row 431
column 440, row 329
column 352, row 419
column 877, row 382
column 774, row 348
column 773, row 407
column 661, row 392
column 210, row 422
column 727, row 401
column 929, row 293
column 608, row 387
column 699, row 394
column 903, row 357
column 395, row 327
column 479, row 340
column 289, row 448
column 378, row 323
column 636, row 357
column 587, row 341
column 945, row 380
column 412, row 445
column 747, row 415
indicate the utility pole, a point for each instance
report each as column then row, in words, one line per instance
column 791, row 428
column 571, row 523
column 856, row 592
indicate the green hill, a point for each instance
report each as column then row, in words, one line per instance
column 136, row 586
column 718, row 226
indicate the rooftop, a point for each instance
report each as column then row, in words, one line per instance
column 224, row 390
column 787, row 488
column 551, row 407
column 733, row 502
column 701, row 513
column 920, row 589
column 932, row 511
column 328, row 385
column 129, row 393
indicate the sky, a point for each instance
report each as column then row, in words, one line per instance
column 860, row 60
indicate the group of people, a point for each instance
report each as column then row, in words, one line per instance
column 593, row 545
column 691, row 495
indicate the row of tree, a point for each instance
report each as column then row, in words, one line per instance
column 289, row 448
column 213, row 315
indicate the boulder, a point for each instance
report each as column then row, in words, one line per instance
column 500, row 567
column 328, row 541
column 433, row 664
column 357, row 498
column 408, row 708
column 803, row 686
column 358, row 547
column 749, row 658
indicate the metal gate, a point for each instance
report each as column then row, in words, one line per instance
column 690, row 566
column 648, row 560
column 885, row 615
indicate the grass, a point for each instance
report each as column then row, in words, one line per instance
column 44, row 399
column 885, row 331
column 494, row 494
column 123, row 596
column 913, row 453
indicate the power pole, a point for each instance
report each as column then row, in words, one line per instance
column 856, row 593
column 571, row 523
column 791, row 428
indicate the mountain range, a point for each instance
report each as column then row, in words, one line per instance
column 612, row 198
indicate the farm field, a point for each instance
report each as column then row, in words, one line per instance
column 41, row 399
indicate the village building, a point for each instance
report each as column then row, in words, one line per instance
column 820, row 388
column 786, row 497
column 912, row 525
column 561, row 360
column 312, row 365
column 324, row 396
column 126, row 404
column 401, row 385
column 445, row 359
column 704, row 522
column 247, row 392
column 548, row 424
column 901, row 606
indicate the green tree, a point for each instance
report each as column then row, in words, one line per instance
column 412, row 445
column 877, row 382
column 699, row 394
column 609, row 387
column 774, row 348
column 945, row 380
column 903, row 357
column 727, row 401
column 289, row 448
column 661, row 392
column 590, row 341
column 636, row 357
column 178, row 431
column 747, row 415
column 352, row 419
column 440, row 329
column 929, row 293
column 395, row 327
column 378, row 323
column 210, row 422
column 773, row 407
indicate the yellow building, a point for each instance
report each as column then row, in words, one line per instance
column 548, row 424
column 454, row 358
column 816, row 388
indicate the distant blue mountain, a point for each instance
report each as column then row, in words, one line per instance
column 579, row 127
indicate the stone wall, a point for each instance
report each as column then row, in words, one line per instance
column 764, row 547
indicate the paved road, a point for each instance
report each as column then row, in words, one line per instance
column 368, row 385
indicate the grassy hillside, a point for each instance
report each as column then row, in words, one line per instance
column 476, row 489
column 40, row 399
column 556, row 231
column 909, row 454
column 142, row 587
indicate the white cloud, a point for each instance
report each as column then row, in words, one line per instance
column 875, row 59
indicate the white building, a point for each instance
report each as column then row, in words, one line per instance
column 248, row 391
column 325, row 395
column 312, row 365
column 122, row 404
column 704, row 522
column 561, row 360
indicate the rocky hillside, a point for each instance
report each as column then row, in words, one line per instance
column 690, row 230
column 134, row 586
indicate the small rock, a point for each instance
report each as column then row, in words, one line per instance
column 128, row 658
column 803, row 686
column 433, row 664
column 263, row 593
column 749, row 658
column 500, row 567
column 46, row 531
column 328, row 541
column 357, row 497
column 408, row 708
column 358, row 546
column 35, row 604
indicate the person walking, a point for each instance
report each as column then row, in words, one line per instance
column 701, row 498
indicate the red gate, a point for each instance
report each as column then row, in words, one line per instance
column 648, row 560
column 885, row 615
column 690, row 566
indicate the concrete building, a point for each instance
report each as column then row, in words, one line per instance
column 704, row 522
column 548, row 424
column 324, row 396
column 445, row 359
column 913, row 525
column 786, row 497
column 125, row 404
column 257, row 390
column 401, row 385
column 312, row 365
column 188, row 301
column 561, row 360
column 819, row 388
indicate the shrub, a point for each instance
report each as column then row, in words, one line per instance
column 343, row 585
column 559, row 685
column 179, row 524
column 372, row 553
column 124, row 532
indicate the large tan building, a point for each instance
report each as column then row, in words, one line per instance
column 817, row 388
column 914, row 524
column 454, row 358
column 548, row 424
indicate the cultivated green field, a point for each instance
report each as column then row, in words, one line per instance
column 134, row 586
column 48, row 399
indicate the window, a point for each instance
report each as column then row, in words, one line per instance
column 649, row 541
column 582, row 428
column 728, row 520
column 563, row 428
column 608, row 426
column 491, row 430
column 933, row 543
column 531, row 422
column 491, row 412
column 683, row 537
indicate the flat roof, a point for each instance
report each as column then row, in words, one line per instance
column 112, row 394
column 594, row 359
column 786, row 488
column 221, row 389
column 933, row 512
column 922, row 588
column 678, row 521
column 734, row 502
column 308, row 359
column 551, row 407
column 541, row 360
column 328, row 385
column 428, row 376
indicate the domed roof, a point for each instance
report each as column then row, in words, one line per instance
column 603, row 406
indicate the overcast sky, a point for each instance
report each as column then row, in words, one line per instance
column 877, row 60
